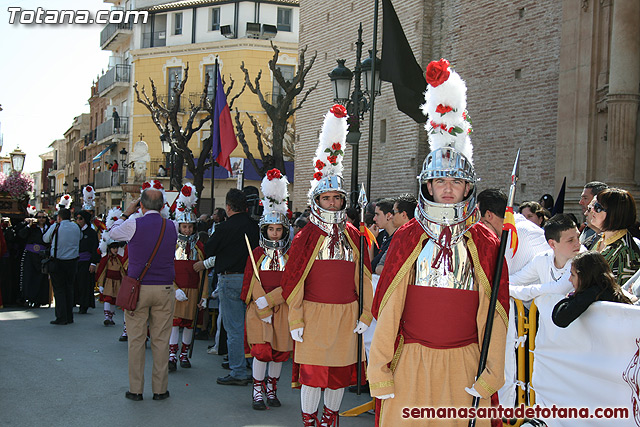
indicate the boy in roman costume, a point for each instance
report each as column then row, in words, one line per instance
column 111, row 268
column 189, row 250
column 321, row 285
column 433, row 296
column 266, row 321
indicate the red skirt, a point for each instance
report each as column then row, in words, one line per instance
column 264, row 353
column 333, row 377
column 183, row 323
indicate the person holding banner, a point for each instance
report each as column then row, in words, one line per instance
column 433, row 297
column 266, row 320
column 321, row 282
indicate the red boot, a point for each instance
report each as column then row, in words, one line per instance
column 329, row 418
column 173, row 359
column 310, row 420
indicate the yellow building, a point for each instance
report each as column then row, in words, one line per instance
column 195, row 33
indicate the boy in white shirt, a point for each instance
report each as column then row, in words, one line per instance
column 549, row 271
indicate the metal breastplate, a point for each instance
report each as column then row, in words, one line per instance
column 439, row 275
column 335, row 247
column 273, row 260
column 181, row 248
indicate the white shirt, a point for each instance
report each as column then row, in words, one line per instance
column 539, row 277
column 531, row 242
column 124, row 230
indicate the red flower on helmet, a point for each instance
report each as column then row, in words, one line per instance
column 89, row 188
column 320, row 165
column 339, row 111
column 156, row 181
column 66, row 197
column 186, row 190
column 336, row 146
column 273, row 174
column 332, row 159
column 437, row 72
column 181, row 208
column 146, row 185
column 157, row 186
column 317, row 176
column 443, row 109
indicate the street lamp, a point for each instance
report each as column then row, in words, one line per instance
column 65, row 186
column 367, row 69
column 76, row 187
column 356, row 103
column 17, row 159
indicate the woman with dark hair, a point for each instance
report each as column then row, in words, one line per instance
column 613, row 212
column 592, row 281
column 534, row 212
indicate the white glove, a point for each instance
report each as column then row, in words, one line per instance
column 180, row 295
column 473, row 392
column 296, row 334
column 267, row 319
column 262, row 303
column 101, row 288
column 386, row 396
column 203, row 303
column 360, row 328
column 214, row 294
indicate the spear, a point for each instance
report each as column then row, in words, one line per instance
column 506, row 228
column 362, row 202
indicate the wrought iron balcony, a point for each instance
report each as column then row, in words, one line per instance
column 115, row 80
column 109, row 128
column 114, row 34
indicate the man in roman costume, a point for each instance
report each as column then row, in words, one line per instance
column 433, row 295
column 321, row 285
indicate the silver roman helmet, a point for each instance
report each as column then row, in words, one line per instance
column 274, row 189
column 448, row 128
column 328, row 168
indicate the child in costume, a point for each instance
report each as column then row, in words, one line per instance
column 266, row 321
column 189, row 250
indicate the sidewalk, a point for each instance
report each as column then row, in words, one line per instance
column 76, row 375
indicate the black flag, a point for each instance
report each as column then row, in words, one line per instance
column 559, row 206
column 400, row 67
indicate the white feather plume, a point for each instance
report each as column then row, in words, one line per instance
column 187, row 202
column 65, row 201
column 449, row 124
column 112, row 216
column 165, row 211
column 334, row 131
column 31, row 210
column 103, row 243
column 275, row 194
column 155, row 184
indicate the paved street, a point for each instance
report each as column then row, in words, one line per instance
column 76, row 375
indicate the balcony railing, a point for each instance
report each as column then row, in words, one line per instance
column 121, row 73
column 159, row 39
column 108, row 179
column 109, row 128
column 169, row 102
column 110, row 29
column 90, row 137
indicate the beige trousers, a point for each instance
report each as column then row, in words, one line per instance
column 155, row 308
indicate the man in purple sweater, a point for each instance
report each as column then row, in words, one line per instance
column 155, row 305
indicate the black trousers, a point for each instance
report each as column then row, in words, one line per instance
column 62, row 281
column 83, row 288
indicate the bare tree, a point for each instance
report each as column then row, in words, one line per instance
column 165, row 117
column 279, row 113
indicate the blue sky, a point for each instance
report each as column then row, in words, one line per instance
column 46, row 73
